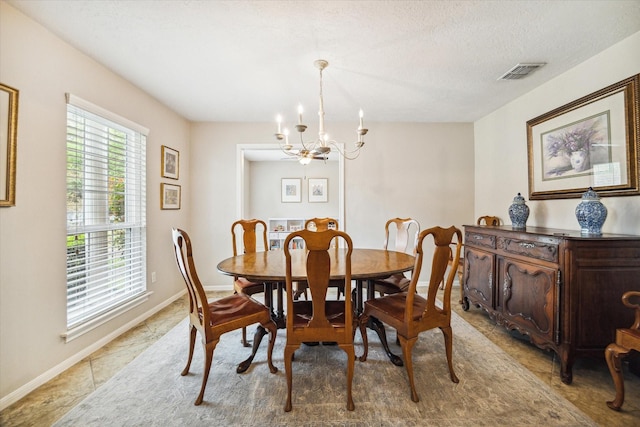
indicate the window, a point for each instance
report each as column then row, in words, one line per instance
column 106, row 214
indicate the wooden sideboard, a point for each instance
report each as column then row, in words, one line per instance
column 558, row 287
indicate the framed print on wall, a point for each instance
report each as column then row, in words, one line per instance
column 591, row 142
column 291, row 190
column 318, row 190
column 8, row 144
column 170, row 163
column 170, row 196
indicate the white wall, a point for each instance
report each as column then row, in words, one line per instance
column 501, row 144
column 424, row 171
column 33, row 233
column 264, row 188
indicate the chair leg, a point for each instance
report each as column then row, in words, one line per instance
column 351, row 357
column 273, row 331
column 448, row 343
column 288, row 356
column 407, row 348
column 244, row 337
column 192, row 341
column 365, row 341
column 208, row 358
column 614, row 355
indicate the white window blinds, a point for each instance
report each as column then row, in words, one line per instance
column 106, row 211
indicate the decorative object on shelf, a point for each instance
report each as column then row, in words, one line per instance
column 518, row 212
column 591, row 213
column 170, row 163
column 8, row 144
column 321, row 147
column 592, row 141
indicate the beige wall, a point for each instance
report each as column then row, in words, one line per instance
column 32, row 234
column 501, row 144
column 418, row 170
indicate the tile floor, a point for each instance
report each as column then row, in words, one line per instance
column 592, row 384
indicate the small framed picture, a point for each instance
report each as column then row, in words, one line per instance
column 170, row 163
column 318, row 190
column 170, row 196
column 291, row 190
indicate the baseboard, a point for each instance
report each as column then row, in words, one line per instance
column 21, row 392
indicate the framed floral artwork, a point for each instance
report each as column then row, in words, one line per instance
column 591, row 142
column 170, row 163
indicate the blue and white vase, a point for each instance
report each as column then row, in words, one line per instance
column 591, row 213
column 518, row 212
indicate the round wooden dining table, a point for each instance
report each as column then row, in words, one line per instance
column 269, row 267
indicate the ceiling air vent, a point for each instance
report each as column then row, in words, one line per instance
column 521, row 71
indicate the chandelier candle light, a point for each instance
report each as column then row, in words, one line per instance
column 321, row 147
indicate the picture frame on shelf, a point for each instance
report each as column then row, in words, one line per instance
column 318, row 190
column 170, row 196
column 290, row 190
column 170, row 163
column 591, row 142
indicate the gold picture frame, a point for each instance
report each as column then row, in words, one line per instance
column 8, row 144
column 593, row 141
column 170, row 163
column 170, row 196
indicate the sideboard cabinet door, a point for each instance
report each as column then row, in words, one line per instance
column 479, row 277
column 527, row 295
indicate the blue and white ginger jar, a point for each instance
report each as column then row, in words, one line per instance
column 591, row 213
column 518, row 212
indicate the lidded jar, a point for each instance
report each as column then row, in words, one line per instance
column 591, row 213
column 518, row 212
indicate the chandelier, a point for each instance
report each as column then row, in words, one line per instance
column 320, row 148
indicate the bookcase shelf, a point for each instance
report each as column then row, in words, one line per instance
column 279, row 229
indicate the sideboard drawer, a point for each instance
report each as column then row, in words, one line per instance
column 480, row 240
column 529, row 248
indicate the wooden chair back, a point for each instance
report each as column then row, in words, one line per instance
column 443, row 239
column 406, row 233
column 321, row 224
column 198, row 312
column 488, row 220
column 318, row 319
column 249, row 235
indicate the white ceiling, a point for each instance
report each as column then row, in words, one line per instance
column 400, row 61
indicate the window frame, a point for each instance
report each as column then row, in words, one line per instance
column 106, row 216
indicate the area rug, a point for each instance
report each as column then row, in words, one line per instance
column 494, row 389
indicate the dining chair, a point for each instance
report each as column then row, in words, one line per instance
column 319, row 224
column 318, row 319
column 409, row 312
column 212, row 319
column 406, row 231
column 626, row 341
column 247, row 231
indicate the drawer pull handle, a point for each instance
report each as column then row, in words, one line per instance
column 478, row 237
column 527, row 245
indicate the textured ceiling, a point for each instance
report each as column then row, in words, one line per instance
column 400, row 61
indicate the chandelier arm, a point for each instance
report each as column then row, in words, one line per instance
column 347, row 154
